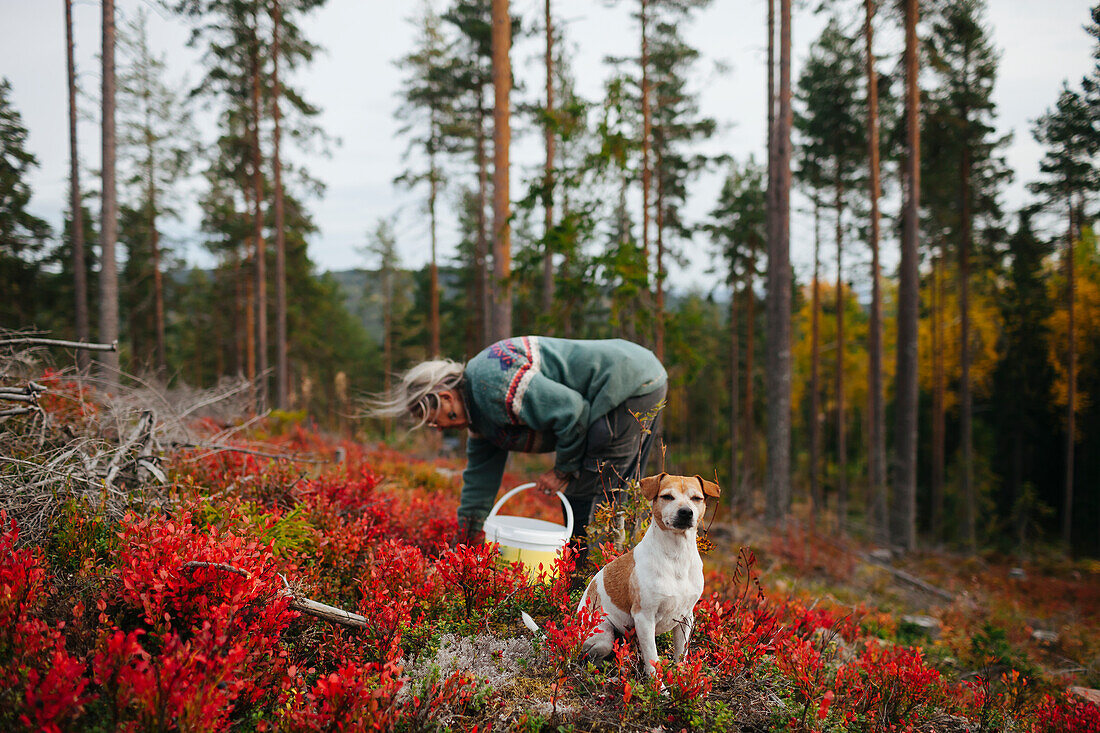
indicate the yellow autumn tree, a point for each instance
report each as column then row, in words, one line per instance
column 1086, row 315
column 985, row 326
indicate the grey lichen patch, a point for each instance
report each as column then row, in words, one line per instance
column 499, row 662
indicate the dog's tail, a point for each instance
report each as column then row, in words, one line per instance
column 530, row 623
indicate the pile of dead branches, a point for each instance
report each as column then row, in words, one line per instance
column 107, row 461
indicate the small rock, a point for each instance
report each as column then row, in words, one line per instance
column 1045, row 638
column 882, row 554
column 927, row 625
column 1090, row 694
column 1017, row 574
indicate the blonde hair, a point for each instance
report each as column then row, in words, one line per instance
column 417, row 394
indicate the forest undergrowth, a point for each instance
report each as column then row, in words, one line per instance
column 170, row 605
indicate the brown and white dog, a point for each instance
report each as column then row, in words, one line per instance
column 653, row 588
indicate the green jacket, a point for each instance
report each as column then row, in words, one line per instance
column 535, row 394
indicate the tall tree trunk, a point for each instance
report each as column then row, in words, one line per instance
column 939, row 416
column 779, row 295
column 876, row 407
column 250, row 301
column 905, row 438
column 158, row 278
column 737, row 495
column 433, row 267
column 258, row 223
column 659, row 282
column 108, row 266
column 80, row 269
column 841, row 417
column 966, row 402
column 647, row 133
column 1071, row 387
column 816, row 494
column 548, row 175
column 387, row 336
column 502, row 133
column 282, row 359
column 748, row 473
column 481, row 253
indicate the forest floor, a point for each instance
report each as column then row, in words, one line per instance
column 169, row 595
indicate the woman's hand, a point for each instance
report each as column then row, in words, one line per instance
column 551, row 482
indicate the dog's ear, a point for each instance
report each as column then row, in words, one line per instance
column 709, row 487
column 651, row 486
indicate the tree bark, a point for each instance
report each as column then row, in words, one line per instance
column 841, row 417
column 258, row 224
column 647, row 134
column 80, row 268
column 939, row 417
column 876, row 404
column 966, row 408
column 1071, row 388
column 659, row 281
column 548, row 175
column 748, row 472
column 158, row 280
column 433, row 286
column 282, row 359
column 737, row 498
column 108, row 269
column 816, row 494
column 502, row 231
column 905, row 448
column 779, row 295
column 481, row 253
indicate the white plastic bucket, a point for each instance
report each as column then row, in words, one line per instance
column 533, row 542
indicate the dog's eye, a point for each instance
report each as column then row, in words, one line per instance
column 696, row 498
column 667, row 497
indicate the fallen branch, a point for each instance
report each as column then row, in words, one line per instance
column 307, row 606
column 910, row 579
column 217, row 566
column 83, row 345
column 214, row 448
column 327, row 613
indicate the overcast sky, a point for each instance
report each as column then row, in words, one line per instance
column 355, row 82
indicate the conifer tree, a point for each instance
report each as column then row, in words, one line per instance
column 1071, row 137
column 22, row 234
column 965, row 173
column 76, row 206
column 832, row 127
column 156, row 144
column 108, row 218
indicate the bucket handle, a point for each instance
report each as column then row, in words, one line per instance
column 524, row 487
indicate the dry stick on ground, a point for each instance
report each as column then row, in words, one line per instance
column 83, row 345
column 307, row 606
column 911, row 579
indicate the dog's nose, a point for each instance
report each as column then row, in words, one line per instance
column 684, row 518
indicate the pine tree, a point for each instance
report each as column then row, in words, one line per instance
column 777, row 492
column 831, row 127
column 903, row 510
column 108, row 269
column 76, row 207
column 962, row 109
column 502, row 135
column 737, row 227
column 428, row 100
column 157, row 142
column 22, row 234
column 676, row 125
column 1072, row 139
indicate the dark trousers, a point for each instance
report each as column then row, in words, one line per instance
column 616, row 452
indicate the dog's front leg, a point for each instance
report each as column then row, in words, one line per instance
column 681, row 634
column 645, row 625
